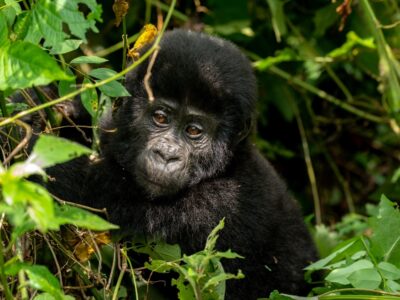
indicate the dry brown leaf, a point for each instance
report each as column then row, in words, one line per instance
column 120, row 8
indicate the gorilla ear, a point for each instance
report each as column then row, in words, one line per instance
column 246, row 129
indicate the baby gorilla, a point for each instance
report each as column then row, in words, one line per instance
column 175, row 166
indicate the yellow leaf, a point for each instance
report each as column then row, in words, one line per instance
column 149, row 32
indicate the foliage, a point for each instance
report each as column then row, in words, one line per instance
column 328, row 73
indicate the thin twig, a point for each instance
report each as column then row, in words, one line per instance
column 308, row 161
column 148, row 75
column 22, row 144
column 55, row 259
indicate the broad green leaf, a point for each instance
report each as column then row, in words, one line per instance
column 156, row 249
column 112, row 89
column 159, row 266
column 19, row 218
column 45, row 19
column 40, row 206
column 88, row 60
column 23, row 64
column 15, row 5
column 341, row 275
column 4, row 41
column 71, row 15
column 66, row 214
column 385, row 244
column 227, row 254
column 393, row 286
column 66, row 46
column 40, row 278
column 167, row 252
column 50, row 150
column 347, row 248
column 90, row 99
column 365, row 279
column 389, row 270
column 185, row 290
column 217, row 279
column 47, row 296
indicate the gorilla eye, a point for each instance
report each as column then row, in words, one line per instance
column 194, row 131
column 160, row 118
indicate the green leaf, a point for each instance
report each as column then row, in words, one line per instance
column 39, row 203
column 213, row 236
column 385, row 244
column 159, row 266
column 90, row 99
column 112, row 89
column 389, row 270
column 341, row 275
column 4, row 41
column 346, row 248
column 66, row 46
column 50, row 150
column 15, row 5
column 167, row 252
column 185, row 289
column 365, row 279
column 40, row 278
column 46, row 296
column 67, row 214
column 23, row 64
column 75, row 19
column 88, row 60
column 278, row 18
column 45, row 19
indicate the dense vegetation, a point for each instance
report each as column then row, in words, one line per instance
column 329, row 102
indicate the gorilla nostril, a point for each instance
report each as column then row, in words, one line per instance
column 165, row 156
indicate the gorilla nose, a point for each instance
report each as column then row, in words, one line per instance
column 166, row 156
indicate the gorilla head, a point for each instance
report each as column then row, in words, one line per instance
column 204, row 91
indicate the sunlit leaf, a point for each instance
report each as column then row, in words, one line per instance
column 82, row 218
column 50, row 150
column 23, row 64
column 88, row 60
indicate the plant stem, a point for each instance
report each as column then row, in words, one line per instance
column 116, row 47
column 3, row 277
column 119, row 281
column 3, row 106
column 125, row 43
column 322, row 94
column 147, row 15
column 387, row 59
column 21, row 273
column 308, row 161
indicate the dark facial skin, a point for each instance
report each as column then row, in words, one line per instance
column 177, row 138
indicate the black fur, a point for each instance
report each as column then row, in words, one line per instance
column 230, row 179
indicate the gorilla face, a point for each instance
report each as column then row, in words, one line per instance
column 178, row 143
column 204, row 91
